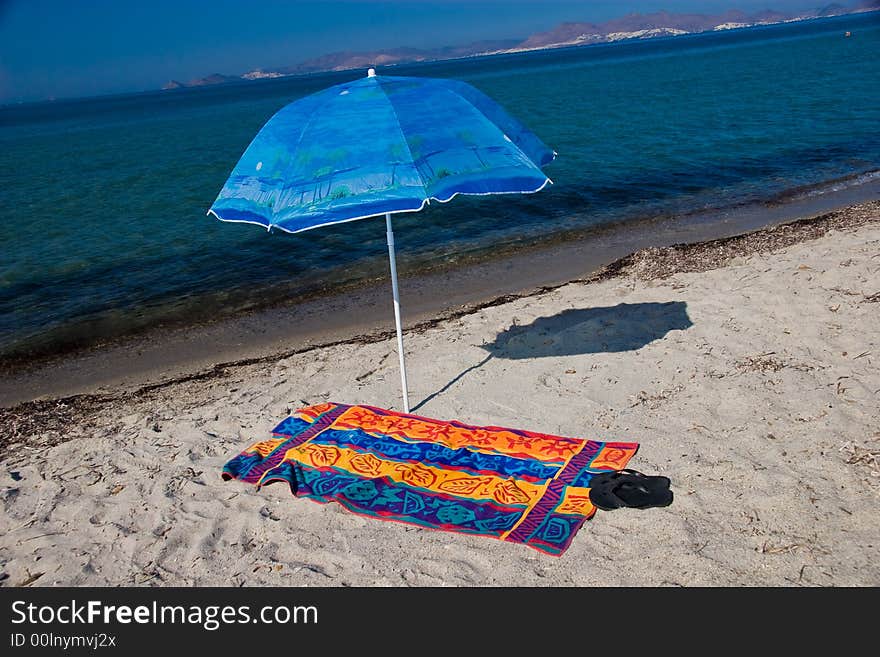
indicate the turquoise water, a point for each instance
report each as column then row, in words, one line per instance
column 104, row 229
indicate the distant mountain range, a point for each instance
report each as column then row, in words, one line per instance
column 632, row 26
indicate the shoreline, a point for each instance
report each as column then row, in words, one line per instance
column 83, row 379
column 361, row 311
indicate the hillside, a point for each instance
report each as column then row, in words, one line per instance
column 631, row 26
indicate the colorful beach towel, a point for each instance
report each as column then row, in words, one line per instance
column 513, row 485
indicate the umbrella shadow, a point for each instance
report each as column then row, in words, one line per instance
column 606, row 329
column 451, row 383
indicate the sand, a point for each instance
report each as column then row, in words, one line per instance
column 747, row 369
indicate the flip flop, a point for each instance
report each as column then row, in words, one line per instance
column 629, row 488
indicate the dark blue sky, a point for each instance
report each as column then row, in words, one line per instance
column 60, row 48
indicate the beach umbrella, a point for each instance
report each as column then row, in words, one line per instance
column 380, row 145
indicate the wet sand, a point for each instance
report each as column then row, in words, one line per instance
column 746, row 367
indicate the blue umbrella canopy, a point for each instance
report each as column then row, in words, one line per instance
column 379, row 145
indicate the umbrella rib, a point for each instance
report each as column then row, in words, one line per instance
column 300, row 138
column 497, row 127
column 298, row 141
column 405, row 142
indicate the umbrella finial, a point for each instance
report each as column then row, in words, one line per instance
column 371, row 73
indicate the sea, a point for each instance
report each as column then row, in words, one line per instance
column 104, row 230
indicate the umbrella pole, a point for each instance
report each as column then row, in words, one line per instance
column 396, row 293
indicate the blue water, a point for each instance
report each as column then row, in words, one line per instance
column 104, row 232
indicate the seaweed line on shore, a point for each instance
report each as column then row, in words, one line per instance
column 53, row 421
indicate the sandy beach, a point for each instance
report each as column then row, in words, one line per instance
column 746, row 367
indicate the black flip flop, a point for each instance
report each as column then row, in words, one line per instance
column 629, row 488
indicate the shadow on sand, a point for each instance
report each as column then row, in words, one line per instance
column 624, row 327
